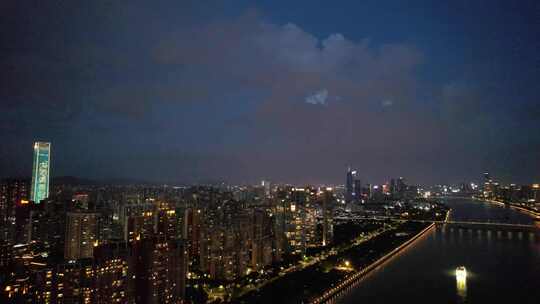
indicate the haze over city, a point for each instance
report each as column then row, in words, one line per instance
column 187, row 91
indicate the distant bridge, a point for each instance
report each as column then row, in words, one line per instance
column 486, row 223
column 490, row 226
column 461, row 196
column 468, row 224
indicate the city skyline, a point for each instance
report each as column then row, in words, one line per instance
column 243, row 92
column 200, row 243
column 270, row 151
column 40, row 178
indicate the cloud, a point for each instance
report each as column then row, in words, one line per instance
column 244, row 85
column 250, row 52
column 289, row 70
column 387, row 103
column 275, row 98
column 318, row 98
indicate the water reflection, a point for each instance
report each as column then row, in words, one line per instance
column 461, row 284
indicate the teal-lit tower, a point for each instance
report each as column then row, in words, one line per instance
column 40, row 171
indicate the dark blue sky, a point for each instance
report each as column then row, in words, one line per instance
column 294, row 92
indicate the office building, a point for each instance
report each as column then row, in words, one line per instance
column 40, row 172
column 349, row 185
column 357, row 190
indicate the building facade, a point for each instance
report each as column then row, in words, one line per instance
column 40, row 171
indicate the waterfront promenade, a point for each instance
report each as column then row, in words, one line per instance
column 330, row 295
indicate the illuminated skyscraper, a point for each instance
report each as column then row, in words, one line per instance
column 349, row 185
column 40, row 172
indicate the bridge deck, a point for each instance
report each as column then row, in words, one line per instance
column 463, row 224
column 491, row 226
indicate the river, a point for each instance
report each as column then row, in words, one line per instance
column 501, row 267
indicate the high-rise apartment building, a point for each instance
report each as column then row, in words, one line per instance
column 159, row 267
column 328, row 219
column 13, row 194
column 193, row 219
column 80, row 238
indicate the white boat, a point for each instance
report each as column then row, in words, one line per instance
column 461, row 273
column 461, row 281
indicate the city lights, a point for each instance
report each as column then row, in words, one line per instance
column 270, row 152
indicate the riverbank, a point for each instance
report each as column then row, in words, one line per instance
column 502, row 269
column 532, row 213
column 307, row 284
column 353, row 280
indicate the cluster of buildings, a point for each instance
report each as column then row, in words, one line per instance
column 142, row 244
column 91, row 243
column 395, row 189
column 524, row 195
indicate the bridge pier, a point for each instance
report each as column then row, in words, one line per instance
column 490, row 230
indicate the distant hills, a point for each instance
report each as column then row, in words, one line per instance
column 79, row 181
column 73, row 180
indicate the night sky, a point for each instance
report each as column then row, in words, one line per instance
column 181, row 91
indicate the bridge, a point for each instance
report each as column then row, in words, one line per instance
column 467, row 224
column 493, row 226
column 488, row 223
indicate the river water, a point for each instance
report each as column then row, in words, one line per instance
column 502, row 267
